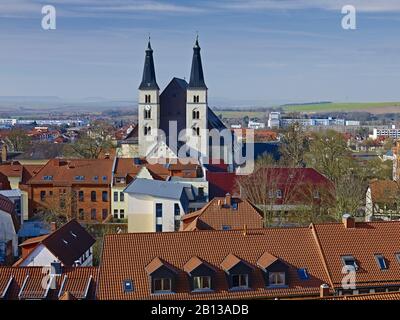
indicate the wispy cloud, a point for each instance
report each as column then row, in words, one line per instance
column 361, row 5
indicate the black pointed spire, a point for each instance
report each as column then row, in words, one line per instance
column 149, row 75
column 196, row 74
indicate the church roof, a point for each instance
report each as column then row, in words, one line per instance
column 196, row 74
column 149, row 75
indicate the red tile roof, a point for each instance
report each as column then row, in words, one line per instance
column 216, row 214
column 27, row 283
column 125, row 256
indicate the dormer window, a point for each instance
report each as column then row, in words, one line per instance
column 381, row 261
column 162, row 285
column 240, row 281
column 201, row 274
column 350, row 261
column 162, row 276
column 276, row 278
column 275, row 270
column 238, row 272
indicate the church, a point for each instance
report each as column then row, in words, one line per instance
column 177, row 122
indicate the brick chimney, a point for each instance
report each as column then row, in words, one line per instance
column 4, row 153
column 348, row 221
column 228, row 200
column 324, row 290
column 53, row 227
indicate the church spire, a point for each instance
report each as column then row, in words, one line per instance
column 196, row 74
column 149, row 75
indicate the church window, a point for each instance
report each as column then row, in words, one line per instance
column 196, row 114
column 196, row 131
column 196, row 99
column 147, row 114
column 147, row 131
column 147, row 98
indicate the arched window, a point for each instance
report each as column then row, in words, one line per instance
column 196, row 99
column 147, row 98
column 147, row 114
column 196, row 131
column 196, row 114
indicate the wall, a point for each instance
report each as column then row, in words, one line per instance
column 41, row 256
column 7, row 231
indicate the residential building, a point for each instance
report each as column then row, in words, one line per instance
column 382, row 200
column 80, row 188
column 16, row 197
column 227, row 213
column 62, row 283
column 155, row 205
column 71, row 245
column 274, row 119
column 287, row 190
column 272, row 263
column 255, row 125
column 9, row 226
column 128, row 169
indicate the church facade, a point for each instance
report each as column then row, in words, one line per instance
column 177, row 122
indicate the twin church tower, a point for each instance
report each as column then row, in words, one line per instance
column 184, row 103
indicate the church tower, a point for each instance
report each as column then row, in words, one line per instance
column 149, row 106
column 197, row 107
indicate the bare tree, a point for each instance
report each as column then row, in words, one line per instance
column 294, row 145
column 59, row 208
column 18, row 140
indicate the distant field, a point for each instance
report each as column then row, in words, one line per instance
column 375, row 107
column 240, row 114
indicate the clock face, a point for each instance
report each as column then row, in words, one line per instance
column 147, row 108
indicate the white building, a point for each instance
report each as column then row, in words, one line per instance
column 256, row 125
column 155, row 205
column 274, row 119
column 70, row 245
column 388, row 133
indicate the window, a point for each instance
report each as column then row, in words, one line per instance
column 276, row 278
column 79, row 178
column 202, row 283
column 162, row 285
column 104, row 196
column 196, row 114
column 398, row 257
column 104, row 178
column 81, row 196
column 303, row 274
column 147, row 131
column 115, row 213
column 42, row 195
column 93, row 214
column 128, row 286
column 147, row 98
column 240, row 281
column 380, row 259
column 121, row 196
column 349, row 261
column 270, row 194
column 115, row 196
column 316, row 194
column 279, row 194
column 147, row 114
column 159, row 210
column 48, row 178
column 196, row 131
column 158, row 227
column 81, row 214
column 93, row 196
column 177, row 209
column 225, row 227
column 122, row 213
column 177, row 224
column 201, row 192
column 96, row 178
column 105, row 214
column 234, row 205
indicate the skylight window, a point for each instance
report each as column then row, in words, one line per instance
column 48, row 178
column 79, row 178
column 73, row 234
column 226, row 227
column 234, row 205
column 128, row 286
column 303, row 274
column 350, row 261
column 380, row 259
column 65, row 241
column 398, row 257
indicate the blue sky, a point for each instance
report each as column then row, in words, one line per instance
column 254, row 51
